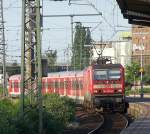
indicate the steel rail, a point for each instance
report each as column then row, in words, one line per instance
column 122, row 119
column 98, row 127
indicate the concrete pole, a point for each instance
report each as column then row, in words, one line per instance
column 2, row 34
column 39, row 67
column 142, row 46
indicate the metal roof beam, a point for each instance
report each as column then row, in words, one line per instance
column 147, row 1
column 137, row 14
column 122, row 4
column 139, row 22
column 131, row 17
column 137, row 11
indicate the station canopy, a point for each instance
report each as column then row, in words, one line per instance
column 136, row 11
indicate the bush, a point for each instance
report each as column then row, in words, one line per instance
column 7, row 111
column 146, row 90
column 132, row 72
column 146, row 79
column 57, row 113
column 137, row 91
column 61, row 108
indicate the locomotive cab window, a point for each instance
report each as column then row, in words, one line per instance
column 114, row 74
column 100, row 75
column 107, row 74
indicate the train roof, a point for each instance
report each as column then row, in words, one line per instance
column 107, row 66
column 66, row 73
column 56, row 74
column 15, row 77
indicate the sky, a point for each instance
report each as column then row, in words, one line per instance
column 57, row 31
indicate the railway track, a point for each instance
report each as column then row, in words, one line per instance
column 112, row 124
column 97, row 123
column 85, row 122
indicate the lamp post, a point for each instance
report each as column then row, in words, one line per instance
column 141, row 70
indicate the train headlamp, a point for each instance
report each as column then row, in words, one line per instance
column 120, row 90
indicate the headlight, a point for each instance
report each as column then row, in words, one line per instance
column 120, row 90
column 95, row 91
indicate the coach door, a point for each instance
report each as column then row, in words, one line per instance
column 16, row 87
column 10, row 87
column 65, row 87
column 61, row 85
column 49, row 85
column 44, row 87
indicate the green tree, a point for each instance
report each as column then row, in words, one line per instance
column 132, row 72
column 146, row 77
column 87, row 48
column 81, row 53
column 51, row 56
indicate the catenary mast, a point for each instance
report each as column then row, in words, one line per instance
column 31, row 72
column 2, row 47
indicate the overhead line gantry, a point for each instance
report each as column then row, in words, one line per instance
column 71, row 20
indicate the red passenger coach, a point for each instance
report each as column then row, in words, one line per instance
column 64, row 83
column 100, row 85
column 14, row 85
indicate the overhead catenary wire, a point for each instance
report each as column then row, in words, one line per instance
column 92, row 30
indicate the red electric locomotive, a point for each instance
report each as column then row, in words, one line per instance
column 100, row 85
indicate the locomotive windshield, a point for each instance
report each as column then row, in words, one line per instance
column 114, row 74
column 100, row 75
column 107, row 74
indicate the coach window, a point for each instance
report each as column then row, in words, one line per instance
column 81, row 84
column 61, row 84
column 73, row 84
column 12, row 84
column 46, row 85
column 43, row 84
column 19, row 84
column 114, row 74
column 15, row 85
column 49, row 84
column 56, row 84
column 53, row 83
column 77, row 84
column 100, row 74
column 65, row 84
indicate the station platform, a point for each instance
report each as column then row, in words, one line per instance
column 139, row 108
column 137, row 99
column 140, row 126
